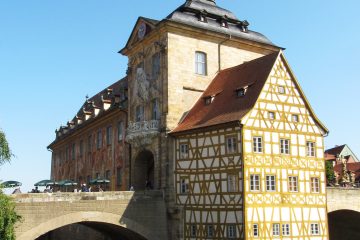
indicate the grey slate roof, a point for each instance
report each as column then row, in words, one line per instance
column 188, row 14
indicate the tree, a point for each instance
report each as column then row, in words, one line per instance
column 5, row 152
column 329, row 169
column 8, row 216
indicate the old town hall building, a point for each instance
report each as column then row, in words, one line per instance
column 211, row 113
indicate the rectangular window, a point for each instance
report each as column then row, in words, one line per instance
column 73, row 151
column 284, row 146
column 89, row 145
column 315, row 185
column 210, row 231
column 184, row 185
column 270, row 183
column 295, row 118
column 257, row 144
column 255, row 182
column 81, row 148
column 271, row 115
column 120, row 130
column 232, row 183
column 231, row 231
column 293, row 184
column 193, row 230
column 109, row 135
column 97, row 175
column 310, row 149
column 155, row 113
column 276, row 229
column 155, row 65
column 286, row 229
column 281, row 89
column 139, row 113
column 231, row 145
column 200, row 63
column 99, row 140
column 88, row 179
column 314, row 229
column 118, row 176
column 184, row 151
column 255, row 230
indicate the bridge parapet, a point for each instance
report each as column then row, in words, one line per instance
column 135, row 211
column 343, row 198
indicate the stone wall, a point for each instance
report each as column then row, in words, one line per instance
column 140, row 212
column 343, row 198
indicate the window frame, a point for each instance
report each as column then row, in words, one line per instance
column 155, row 109
column 271, row 115
column 255, row 230
column 81, row 148
column 252, row 183
column 210, row 230
column 293, row 186
column 276, row 230
column 285, row 146
column 155, row 68
column 201, row 62
column 315, row 186
column 139, row 113
column 73, row 151
column 281, row 90
column 258, row 144
column 184, row 185
column 285, row 229
column 183, row 150
column 232, row 183
column 314, row 229
column 295, row 118
column 233, row 141
column 99, row 139
column 270, row 183
column 193, row 230
column 310, row 149
column 120, row 131
column 109, row 135
column 231, row 231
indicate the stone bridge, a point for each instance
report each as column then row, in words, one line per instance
column 129, row 214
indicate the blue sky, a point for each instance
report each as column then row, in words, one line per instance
column 54, row 53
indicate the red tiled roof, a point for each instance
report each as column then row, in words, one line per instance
column 330, row 157
column 336, row 150
column 226, row 106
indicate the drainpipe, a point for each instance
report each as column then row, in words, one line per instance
column 219, row 51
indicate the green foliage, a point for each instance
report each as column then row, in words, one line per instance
column 8, row 217
column 330, row 175
column 5, row 152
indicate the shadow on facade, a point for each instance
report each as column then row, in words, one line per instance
column 91, row 231
column 143, row 170
column 344, row 225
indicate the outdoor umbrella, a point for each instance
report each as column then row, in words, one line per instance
column 99, row 181
column 67, row 183
column 44, row 183
column 11, row 184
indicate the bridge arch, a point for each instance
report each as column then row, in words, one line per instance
column 86, row 217
column 343, row 224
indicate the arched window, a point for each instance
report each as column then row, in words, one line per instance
column 200, row 63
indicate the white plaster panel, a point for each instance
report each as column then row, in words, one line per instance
column 285, row 214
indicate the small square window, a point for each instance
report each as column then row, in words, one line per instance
column 286, row 229
column 241, row 92
column 281, row 89
column 271, row 115
column 276, row 229
column 293, row 184
column 284, row 146
column 257, row 144
column 295, row 118
column 314, row 229
column 208, row 100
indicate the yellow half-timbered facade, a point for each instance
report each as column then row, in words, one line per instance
column 249, row 161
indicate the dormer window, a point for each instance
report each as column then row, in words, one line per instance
column 241, row 92
column 224, row 23
column 244, row 26
column 281, row 89
column 208, row 100
column 202, row 18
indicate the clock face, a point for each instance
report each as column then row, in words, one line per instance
column 142, row 31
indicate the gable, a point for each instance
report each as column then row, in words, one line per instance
column 283, row 105
column 141, row 29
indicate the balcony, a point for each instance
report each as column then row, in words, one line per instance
column 141, row 133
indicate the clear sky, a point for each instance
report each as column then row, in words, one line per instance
column 54, row 53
